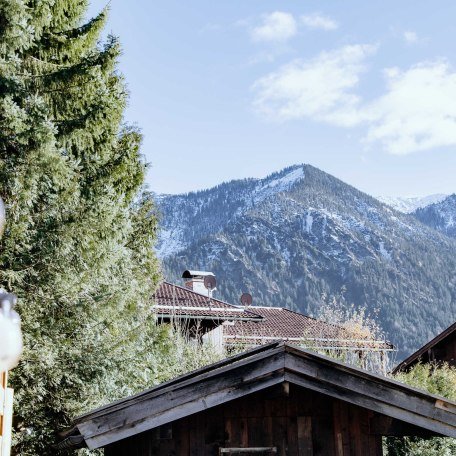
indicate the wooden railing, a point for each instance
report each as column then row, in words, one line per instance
column 6, row 415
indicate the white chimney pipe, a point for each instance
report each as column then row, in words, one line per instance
column 194, row 280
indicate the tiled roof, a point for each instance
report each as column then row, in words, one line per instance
column 256, row 325
column 282, row 324
column 173, row 300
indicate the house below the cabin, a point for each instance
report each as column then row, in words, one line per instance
column 231, row 328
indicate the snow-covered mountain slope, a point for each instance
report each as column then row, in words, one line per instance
column 440, row 216
column 211, row 210
column 409, row 204
column 301, row 233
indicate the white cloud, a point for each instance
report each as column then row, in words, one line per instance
column 318, row 21
column 416, row 112
column 276, row 27
column 410, row 37
column 320, row 88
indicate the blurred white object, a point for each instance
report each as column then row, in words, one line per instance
column 10, row 342
column 10, row 332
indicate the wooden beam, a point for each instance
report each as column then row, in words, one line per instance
column 7, row 422
column 379, row 389
column 6, row 415
column 248, row 450
column 305, row 444
column 198, row 375
column 181, row 401
column 387, row 426
column 372, row 403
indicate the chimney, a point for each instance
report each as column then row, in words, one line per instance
column 194, row 280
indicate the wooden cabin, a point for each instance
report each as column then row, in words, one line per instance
column 275, row 399
column 440, row 349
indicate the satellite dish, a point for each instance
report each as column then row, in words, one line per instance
column 246, row 299
column 210, row 282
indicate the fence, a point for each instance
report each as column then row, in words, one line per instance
column 6, row 415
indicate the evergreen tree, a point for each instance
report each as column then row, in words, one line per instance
column 438, row 379
column 77, row 248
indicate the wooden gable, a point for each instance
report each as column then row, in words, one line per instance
column 382, row 406
column 440, row 349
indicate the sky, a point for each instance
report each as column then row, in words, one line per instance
column 228, row 89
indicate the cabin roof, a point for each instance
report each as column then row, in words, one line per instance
column 415, row 357
column 174, row 301
column 253, row 371
column 279, row 323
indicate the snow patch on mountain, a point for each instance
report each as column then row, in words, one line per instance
column 285, row 182
column 309, row 223
column 171, row 241
column 267, row 187
column 383, row 252
column 409, row 204
column 214, row 209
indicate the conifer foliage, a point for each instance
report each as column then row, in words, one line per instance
column 439, row 379
column 77, row 249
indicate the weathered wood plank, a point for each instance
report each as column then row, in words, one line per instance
column 372, row 404
column 182, row 434
column 384, row 399
column 134, row 425
column 422, row 404
column 292, row 435
column 354, row 430
column 180, row 394
column 279, row 433
column 305, row 444
column 197, row 376
column 323, row 435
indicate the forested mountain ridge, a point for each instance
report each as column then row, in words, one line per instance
column 440, row 216
column 301, row 233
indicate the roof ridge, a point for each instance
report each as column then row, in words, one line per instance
column 321, row 374
column 209, row 297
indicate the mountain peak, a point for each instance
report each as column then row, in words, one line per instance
column 300, row 233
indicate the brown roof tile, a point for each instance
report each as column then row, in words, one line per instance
column 173, row 300
column 256, row 325
column 283, row 324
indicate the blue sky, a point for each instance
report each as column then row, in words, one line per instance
column 229, row 89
